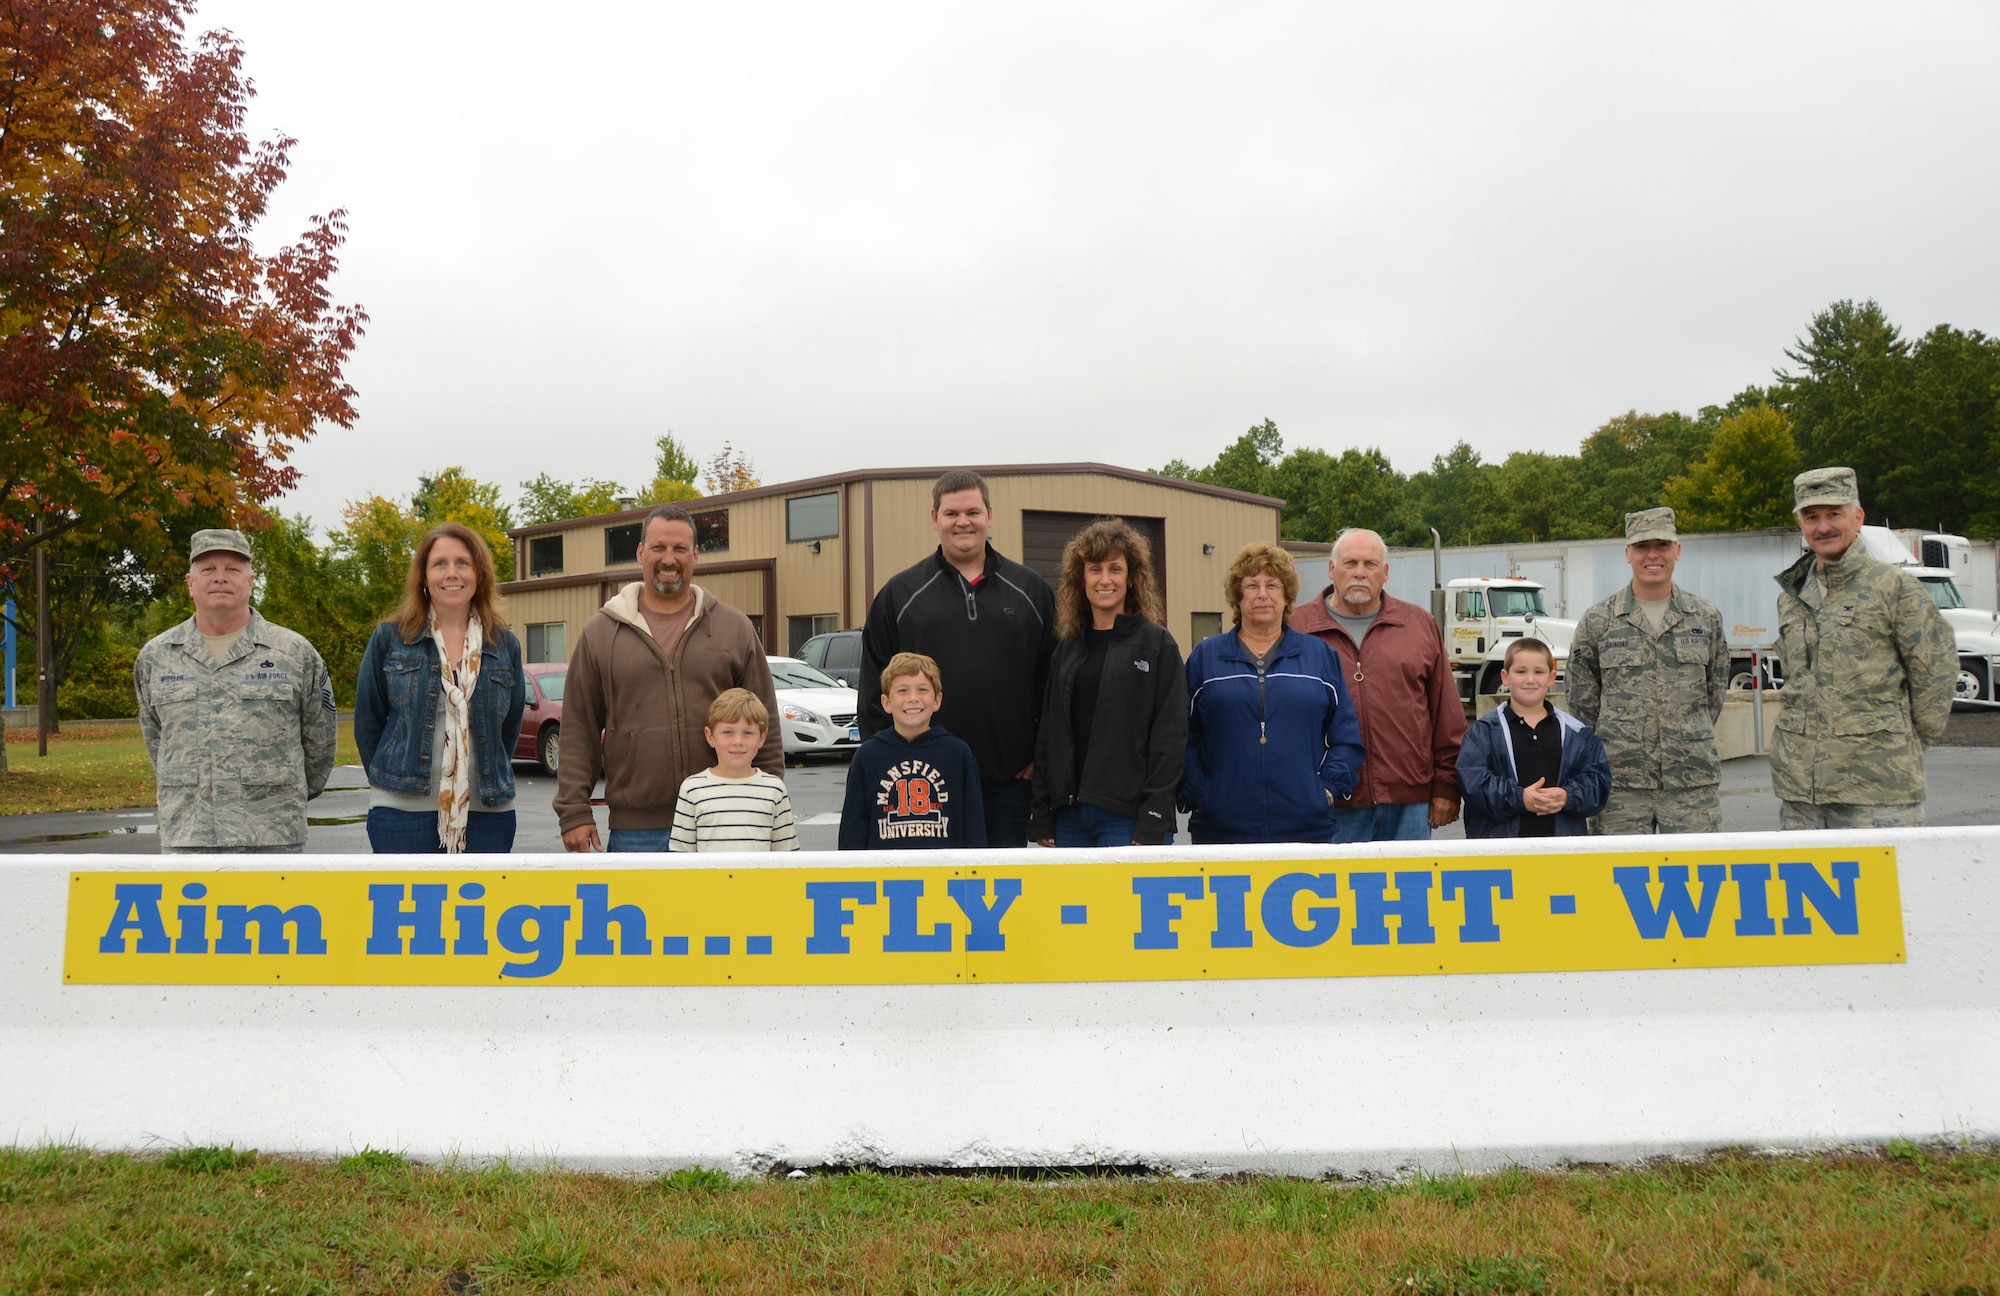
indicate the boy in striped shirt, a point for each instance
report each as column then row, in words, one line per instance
column 734, row 806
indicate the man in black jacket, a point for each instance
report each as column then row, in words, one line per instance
column 989, row 623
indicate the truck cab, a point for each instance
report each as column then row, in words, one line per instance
column 1936, row 560
column 1482, row 615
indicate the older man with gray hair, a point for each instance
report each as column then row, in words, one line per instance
column 1870, row 669
column 237, row 714
column 1393, row 663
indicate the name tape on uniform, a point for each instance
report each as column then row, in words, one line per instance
column 881, row 924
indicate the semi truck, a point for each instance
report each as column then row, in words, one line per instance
column 1485, row 595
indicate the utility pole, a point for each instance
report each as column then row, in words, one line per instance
column 44, row 687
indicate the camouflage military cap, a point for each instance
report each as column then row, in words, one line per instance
column 1824, row 486
column 1650, row 524
column 218, row 539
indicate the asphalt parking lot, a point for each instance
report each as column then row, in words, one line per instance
column 1962, row 773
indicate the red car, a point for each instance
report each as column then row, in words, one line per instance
column 541, row 723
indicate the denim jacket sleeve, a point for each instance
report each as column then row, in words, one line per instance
column 371, row 697
column 517, row 701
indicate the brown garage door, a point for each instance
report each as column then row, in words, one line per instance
column 1043, row 536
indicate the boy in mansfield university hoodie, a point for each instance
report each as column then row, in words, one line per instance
column 912, row 786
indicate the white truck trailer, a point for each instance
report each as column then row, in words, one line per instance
column 1733, row 570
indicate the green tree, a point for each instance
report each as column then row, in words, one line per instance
column 673, row 462
column 1950, row 473
column 95, row 579
column 320, row 593
column 547, row 499
column 380, row 537
column 674, row 474
column 1540, row 499
column 1624, row 465
column 1745, row 479
column 1249, row 463
column 1455, row 494
column 1848, row 397
column 1324, row 494
column 452, row 496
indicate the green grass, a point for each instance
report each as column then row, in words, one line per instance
column 93, row 766
column 222, row 1220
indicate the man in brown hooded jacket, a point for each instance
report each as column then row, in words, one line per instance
column 645, row 668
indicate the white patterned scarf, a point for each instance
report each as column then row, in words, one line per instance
column 455, row 773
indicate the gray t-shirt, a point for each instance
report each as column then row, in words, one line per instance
column 1356, row 626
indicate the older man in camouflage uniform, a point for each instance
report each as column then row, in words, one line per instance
column 1870, row 667
column 237, row 714
column 1648, row 669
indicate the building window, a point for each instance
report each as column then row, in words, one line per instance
column 545, row 555
column 548, row 642
column 1204, row 625
column 812, row 517
column 711, row 531
column 621, row 545
column 798, row 629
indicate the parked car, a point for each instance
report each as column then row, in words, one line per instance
column 836, row 653
column 541, row 723
column 815, row 711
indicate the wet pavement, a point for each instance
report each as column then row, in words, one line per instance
column 336, row 820
column 1962, row 782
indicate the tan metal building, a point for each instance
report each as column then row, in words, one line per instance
column 805, row 557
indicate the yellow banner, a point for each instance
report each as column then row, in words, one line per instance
column 1168, row 919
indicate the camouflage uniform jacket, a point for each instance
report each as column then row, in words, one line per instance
column 1870, row 668
column 1653, row 699
column 237, row 749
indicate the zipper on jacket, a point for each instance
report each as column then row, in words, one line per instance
column 1260, row 704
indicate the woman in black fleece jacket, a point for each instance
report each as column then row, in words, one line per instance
column 1114, row 720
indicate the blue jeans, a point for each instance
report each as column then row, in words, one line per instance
column 650, row 840
column 415, row 832
column 1089, row 825
column 1007, row 806
column 1383, row 823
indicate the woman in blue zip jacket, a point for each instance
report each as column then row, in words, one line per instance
column 1272, row 738
column 437, row 708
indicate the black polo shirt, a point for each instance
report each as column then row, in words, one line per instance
column 1537, row 755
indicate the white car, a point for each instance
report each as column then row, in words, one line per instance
column 815, row 711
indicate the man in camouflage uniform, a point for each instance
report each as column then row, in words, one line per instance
column 1870, row 668
column 1648, row 668
column 237, row 714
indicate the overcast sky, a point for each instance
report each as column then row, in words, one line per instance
column 864, row 235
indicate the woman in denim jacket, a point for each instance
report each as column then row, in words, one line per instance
column 438, row 707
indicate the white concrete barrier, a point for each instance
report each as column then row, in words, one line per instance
column 1303, row 1075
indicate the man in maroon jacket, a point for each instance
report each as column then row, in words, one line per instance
column 1394, row 666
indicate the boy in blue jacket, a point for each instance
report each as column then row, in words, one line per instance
column 912, row 786
column 1527, row 769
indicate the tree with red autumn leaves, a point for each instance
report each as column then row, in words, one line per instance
column 156, row 371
